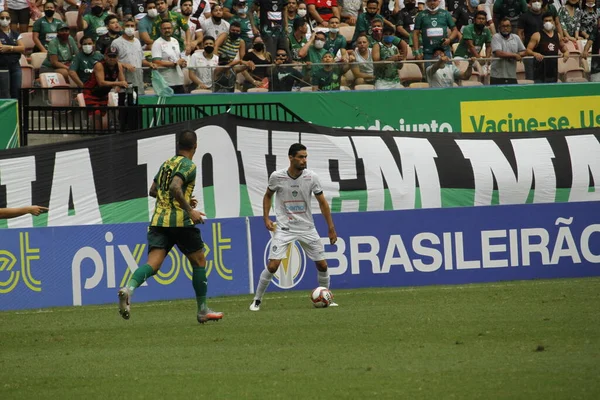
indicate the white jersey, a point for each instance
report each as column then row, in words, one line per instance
column 293, row 198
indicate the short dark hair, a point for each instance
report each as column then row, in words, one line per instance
column 236, row 24
column 373, row 1
column 320, row 33
column 164, row 21
column 504, row 20
column 186, row 1
column 110, row 18
column 481, row 12
column 187, row 140
column 49, row 2
column 547, row 14
column 83, row 38
column 299, row 23
column 150, row 2
column 207, row 37
column 295, row 148
column 389, row 30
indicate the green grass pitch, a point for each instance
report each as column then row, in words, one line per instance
column 514, row 340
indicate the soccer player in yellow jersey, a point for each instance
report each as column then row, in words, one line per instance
column 173, row 224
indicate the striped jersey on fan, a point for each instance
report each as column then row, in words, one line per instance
column 167, row 212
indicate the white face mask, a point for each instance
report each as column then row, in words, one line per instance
column 536, row 6
column 4, row 23
column 101, row 30
column 87, row 48
column 334, row 30
column 129, row 31
column 153, row 13
column 549, row 26
column 433, row 9
column 590, row 5
column 242, row 10
column 302, row 13
column 319, row 44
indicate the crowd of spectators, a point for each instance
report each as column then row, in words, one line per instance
column 284, row 45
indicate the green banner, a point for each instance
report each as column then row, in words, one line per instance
column 9, row 130
column 517, row 108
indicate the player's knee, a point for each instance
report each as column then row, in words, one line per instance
column 321, row 265
column 273, row 266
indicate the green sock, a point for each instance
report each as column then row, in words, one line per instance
column 139, row 276
column 200, row 284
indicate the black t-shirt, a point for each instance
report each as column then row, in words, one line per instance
column 9, row 39
column 453, row 5
column 270, row 12
column 132, row 7
column 530, row 23
column 284, row 79
column 104, row 43
column 595, row 50
column 547, row 69
column 406, row 19
column 259, row 72
column 464, row 16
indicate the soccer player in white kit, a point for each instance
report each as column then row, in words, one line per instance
column 294, row 187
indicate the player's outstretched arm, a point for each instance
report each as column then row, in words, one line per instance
column 267, row 200
column 17, row 212
column 326, row 211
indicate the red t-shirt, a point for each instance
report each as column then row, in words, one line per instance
column 324, row 7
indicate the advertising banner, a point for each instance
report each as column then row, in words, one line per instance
column 442, row 246
column 106, row 180
column 514, row 108
column 80, row 265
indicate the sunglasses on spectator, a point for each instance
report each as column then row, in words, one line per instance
column 5, row 18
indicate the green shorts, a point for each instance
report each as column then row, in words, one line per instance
column 188, row 239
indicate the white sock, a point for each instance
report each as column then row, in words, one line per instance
column 323, row 278
column 263, row 283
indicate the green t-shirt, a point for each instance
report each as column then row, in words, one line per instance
column 478, row 40
column 145, row 25
column 363, row 24
column 295, row 46
column 167, row 212
column 46, row 29
column 372, row 41
column 179, row 25
column 315, row 56
column 334, row 45
column 247, row 34
column 327, row 80
column 65, row 51
column 434, row 28
column 83, row 64
column 388, row 71
column 94, row 23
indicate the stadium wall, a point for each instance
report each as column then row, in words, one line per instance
column 518, row 108
column 9, row 119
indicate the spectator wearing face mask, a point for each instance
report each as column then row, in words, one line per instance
column 314, row 50
column 231, row 45
column 203, row 63
column 464, row 15
column 570, row 20
column 387, row 50
column 297, row 40
column 45, row 28
column 11, row 48
column 243, row 18
column 83, row 64
column 131, row 56
column 335, row 42
column 215, row 26
column 92, row 24
column 365, row 20
column 114, row 31
column 261, row 60
column 146, row 23
column 474, row 37
column 546, row 43
column 405, row 20
column 589, row 19
column 431, row 31
column 61, row 53
column 530, row 22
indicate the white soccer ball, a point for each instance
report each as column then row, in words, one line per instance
column 321, row 297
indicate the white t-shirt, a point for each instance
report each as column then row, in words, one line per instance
column 293, row 198
column 199, row 60
column 129, row 52
column 168, row 51
column 209, row 28
column 443, row 77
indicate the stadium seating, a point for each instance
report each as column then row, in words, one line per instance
column 27, row 39
column 470, row 83
column 347, row 32
column 419, row 85
column 195, row 91
column 258, row 90
column 520, row 70
column 364, row 87
column 37, row 59
column 27, row 72
column 410, row 73
column 570, row 69
column 71, row 17
column 306, row 89
column 57, row 98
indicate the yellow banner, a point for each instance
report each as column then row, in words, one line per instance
column 530, row 114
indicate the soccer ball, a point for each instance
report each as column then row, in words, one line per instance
column 321, row 297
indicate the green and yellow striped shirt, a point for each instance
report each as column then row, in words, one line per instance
column 167, row 212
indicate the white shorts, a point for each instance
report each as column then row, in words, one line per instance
column 309, row 240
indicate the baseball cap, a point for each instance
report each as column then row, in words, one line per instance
column 62, row 26
column 112, row 51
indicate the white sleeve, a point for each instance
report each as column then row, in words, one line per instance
column 316, row 185
column 488, row 7
column 157, row 49
column 273, row 183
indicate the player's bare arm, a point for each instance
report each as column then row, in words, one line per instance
column 267, row 200
column 153, row 192
column 326, row 211
column 177, row 192
column 17, row 212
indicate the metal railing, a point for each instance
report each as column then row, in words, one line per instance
column 38, row 114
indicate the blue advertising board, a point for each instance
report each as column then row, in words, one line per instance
column 445, row 246
column 80, row 265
